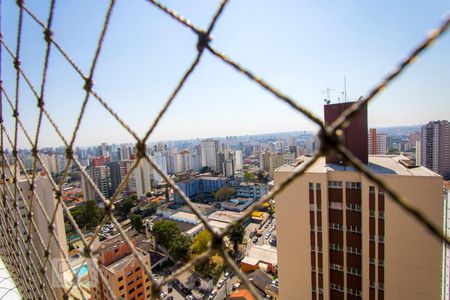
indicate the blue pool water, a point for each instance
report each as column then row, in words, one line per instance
column 84, row 270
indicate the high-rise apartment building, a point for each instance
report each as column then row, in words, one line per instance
column 183, row 161
column 341, row 237
column 122, row 270
column 269, row 161
column 435, row 147
column 161, row 160
column 209, row 150
column 44, row 191
column 378, row 142
column 49, row 161
column 238, row 161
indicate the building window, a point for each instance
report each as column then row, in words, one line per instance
column 311, row 186
column 131, row 291
column 354, row 250
column 381, row 286
column 319, row 228
column 336, row 287
column 120, row 278
column 373, row 261
column 381, row 263
column 137, row 269
column 130, row 283
column 372, row 238
column 372, row 213
column 380, row 192
column 139, row 285
column 318, row 186
column 353, row 185
column 353, row 207
column 335, row 226
column 336, row 267
column 354, row 271
column 354, row 229
column 129, row 274
column 335, row 184
column 311, row 206
column 381, row 239
column 336, row 247
column 336, row 205
column 120, row 287
column 381, row 214
column 371, row 189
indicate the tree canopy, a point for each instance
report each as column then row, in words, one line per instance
column 237, row 236
column 88, row 215
column 249, row 176
column 125, row 206
column 165, row 232
column 179, row 247
column 200, row 242
column 224, row 193
column 136, row 222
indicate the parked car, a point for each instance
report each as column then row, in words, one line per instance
column 220, row 284
column 163, row 295
column 255, row 240
column 213, row 294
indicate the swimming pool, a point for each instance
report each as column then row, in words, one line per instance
column 83, row 271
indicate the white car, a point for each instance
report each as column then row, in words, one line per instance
column 189, row 297
column 163, row 295
column 220, row 284
column 226, row 275
column 213, row 294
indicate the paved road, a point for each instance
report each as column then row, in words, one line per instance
column 261, row 240
column 226, row 288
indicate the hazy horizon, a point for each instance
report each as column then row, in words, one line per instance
column 300, row 47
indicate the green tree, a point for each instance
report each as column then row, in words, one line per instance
column 92, row 214
column 262, row 177
column 249, row 176
column 165, row 232
column 271, row 210
column 225, row 193
column 149, row 210
column 179, row 247
column 237, row 236
column 125, row 206
column 87, row 215
column 200, row 242
column 136, row 221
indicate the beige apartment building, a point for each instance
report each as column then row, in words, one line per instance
column 340, row 237
column 122, row 270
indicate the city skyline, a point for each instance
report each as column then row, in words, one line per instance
column 137, row 84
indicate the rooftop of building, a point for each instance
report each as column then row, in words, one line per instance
column 242, row 294
column 185, row 216
column 121, row 263
column 264, row 253
column 378, row 164
column 225, row 216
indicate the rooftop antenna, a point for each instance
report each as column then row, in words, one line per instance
column 345, row 89
column 328, row 92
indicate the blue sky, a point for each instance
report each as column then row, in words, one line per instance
column 301, row 47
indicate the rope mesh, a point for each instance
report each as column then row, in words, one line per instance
column 31, row 278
